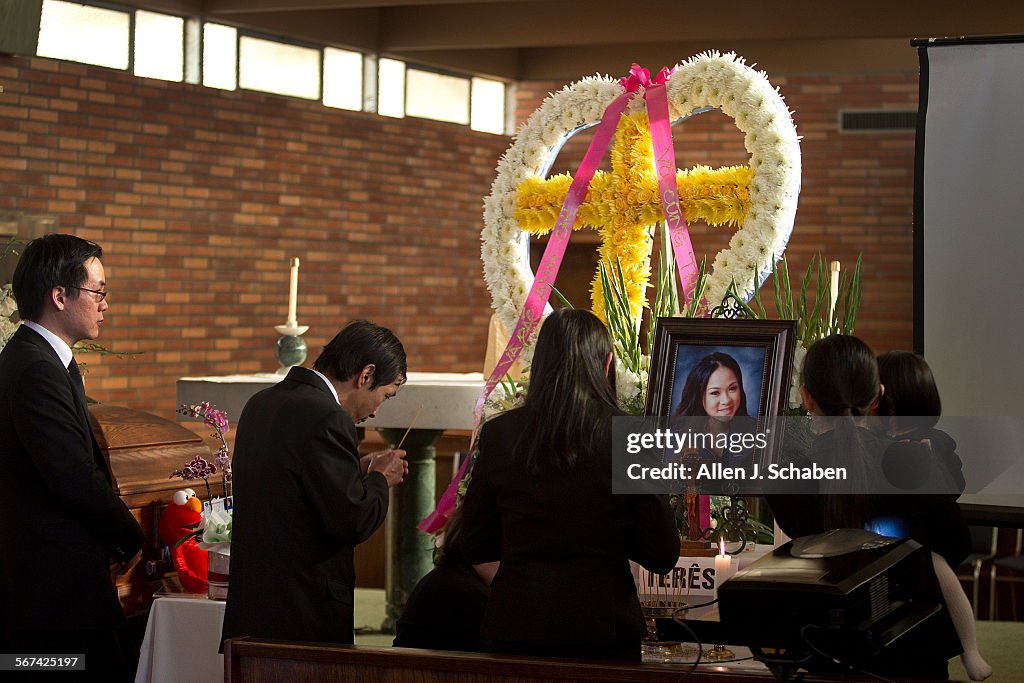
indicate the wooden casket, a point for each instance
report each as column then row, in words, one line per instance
column 142, row 451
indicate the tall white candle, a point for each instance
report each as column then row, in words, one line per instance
column 833, row 290
column 293, row 293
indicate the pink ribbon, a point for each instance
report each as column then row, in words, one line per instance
column 540, row 291
column 665, row 165
column 640, row 77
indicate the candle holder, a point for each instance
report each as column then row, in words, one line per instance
column 719, row 653
column 291, row 347
column 652, row 647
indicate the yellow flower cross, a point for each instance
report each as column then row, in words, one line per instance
column 623, row 203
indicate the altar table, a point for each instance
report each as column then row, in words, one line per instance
column 447, row 399
column 181, row 642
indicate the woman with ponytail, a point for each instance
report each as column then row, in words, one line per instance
column 840, row 385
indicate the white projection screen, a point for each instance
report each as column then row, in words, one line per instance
column 969, row 238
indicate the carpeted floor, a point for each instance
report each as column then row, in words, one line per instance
column 370, row 609
column 1000, row 641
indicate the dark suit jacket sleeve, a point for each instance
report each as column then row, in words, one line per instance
column 481, row 520
column 351, row 506
column 651, row 535
column 49, row 424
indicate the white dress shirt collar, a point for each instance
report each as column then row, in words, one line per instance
column 58, row 344
column 334, row 392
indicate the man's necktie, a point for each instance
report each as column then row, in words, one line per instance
column 76, row 379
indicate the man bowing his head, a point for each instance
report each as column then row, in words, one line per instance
column 303, row 498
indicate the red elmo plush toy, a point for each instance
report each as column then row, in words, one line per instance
column 177, row 520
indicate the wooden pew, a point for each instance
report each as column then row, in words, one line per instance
column 248, row 660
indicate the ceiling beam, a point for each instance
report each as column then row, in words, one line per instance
column 502, row 65
column 808, row 56
column 215, row 7
column 539, row 23
column 184, row 8
column 356, row 29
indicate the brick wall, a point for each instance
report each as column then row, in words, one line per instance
column 200, row 196
column 857, row 189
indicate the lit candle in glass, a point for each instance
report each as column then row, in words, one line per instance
column 723, row 564
column 293, row 293
column 723, row 570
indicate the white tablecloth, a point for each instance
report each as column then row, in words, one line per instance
column 181, row 642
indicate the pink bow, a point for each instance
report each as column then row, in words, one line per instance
column 641, row 76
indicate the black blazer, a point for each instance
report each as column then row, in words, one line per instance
column 300, row 506
column 60, row 520
column 564, row 542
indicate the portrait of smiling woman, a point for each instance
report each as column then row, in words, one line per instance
column 713, row 388
column 715, row 384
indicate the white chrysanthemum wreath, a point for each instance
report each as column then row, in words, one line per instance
column 707, row 80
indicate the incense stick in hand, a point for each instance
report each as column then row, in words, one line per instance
column 409, row 428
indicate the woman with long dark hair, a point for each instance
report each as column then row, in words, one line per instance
column 540, row 501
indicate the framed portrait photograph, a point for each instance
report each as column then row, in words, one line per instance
column 720, row 382
column 720, row 368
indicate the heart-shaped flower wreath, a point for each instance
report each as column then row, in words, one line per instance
column 706, row 80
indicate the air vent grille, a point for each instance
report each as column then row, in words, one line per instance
column 875, row 121
column 881, row 602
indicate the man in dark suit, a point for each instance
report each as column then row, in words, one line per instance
column 303, row 498
column 62, row 525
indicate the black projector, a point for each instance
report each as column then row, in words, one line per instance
column 848, row 595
